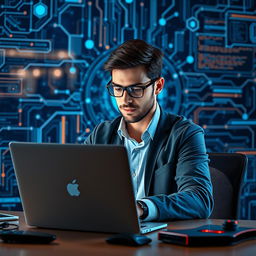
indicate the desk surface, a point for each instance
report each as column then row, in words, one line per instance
column 85, row 243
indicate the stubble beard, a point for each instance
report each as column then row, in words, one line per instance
column 139, row 117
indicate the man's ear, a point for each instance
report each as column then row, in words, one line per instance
column 159, row 85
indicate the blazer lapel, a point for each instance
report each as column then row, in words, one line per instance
column 163, row 129
column 115, row 138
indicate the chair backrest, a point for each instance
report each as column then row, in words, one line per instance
column 227, row 173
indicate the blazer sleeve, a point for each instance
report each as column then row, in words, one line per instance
column 91, row 138
column 193, row 198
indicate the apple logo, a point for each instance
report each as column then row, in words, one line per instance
column 72, row 188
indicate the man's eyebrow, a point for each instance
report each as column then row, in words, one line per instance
column 128, row 85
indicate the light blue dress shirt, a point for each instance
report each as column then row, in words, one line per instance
column 137, row 155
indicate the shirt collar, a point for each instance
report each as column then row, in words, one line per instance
column 151, row 129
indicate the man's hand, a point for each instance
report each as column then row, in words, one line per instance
column 139, row 210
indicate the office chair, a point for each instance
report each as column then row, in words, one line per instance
column 227, row 173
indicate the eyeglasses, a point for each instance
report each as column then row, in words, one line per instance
column 134, row 90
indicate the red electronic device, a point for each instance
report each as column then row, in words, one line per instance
column 209, row 235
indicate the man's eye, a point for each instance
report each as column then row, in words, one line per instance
column 118, row 89
column 136, row 89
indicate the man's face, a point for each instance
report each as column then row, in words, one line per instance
column 133, row 109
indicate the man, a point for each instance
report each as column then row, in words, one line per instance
column 167, row 154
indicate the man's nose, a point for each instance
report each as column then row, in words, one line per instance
column 126, row 97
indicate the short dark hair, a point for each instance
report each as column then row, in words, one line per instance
column 134, row 53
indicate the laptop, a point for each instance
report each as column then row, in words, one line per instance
column 77, row 187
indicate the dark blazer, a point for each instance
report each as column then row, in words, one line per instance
column 177, row 177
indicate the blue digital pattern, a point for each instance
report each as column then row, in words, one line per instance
column 52, row 84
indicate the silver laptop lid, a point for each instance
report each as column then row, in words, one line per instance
column 78, row 187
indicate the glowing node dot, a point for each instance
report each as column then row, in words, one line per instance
column 162, row 22
column 57, row 73
column 21, row 72
column 176, row 14
column 170, row 45
column 88, row 100
column 192, row 24
column 36, row 72
column 128, row 1
column 38, row 116
column 40, row 9
column 245, row 116
column 72, row 70
column 175, row 76
column 190, row 59
column 89, row 44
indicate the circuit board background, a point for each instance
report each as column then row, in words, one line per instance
column 52, row 84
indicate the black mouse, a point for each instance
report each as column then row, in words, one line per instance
column 129, row 239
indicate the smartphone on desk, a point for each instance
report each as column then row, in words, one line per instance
column 4, row 217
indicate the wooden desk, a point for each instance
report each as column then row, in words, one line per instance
column 85, row 243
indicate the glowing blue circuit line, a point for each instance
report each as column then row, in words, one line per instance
column 105, row 10
column 134, row 20
column 40, row 46
column 227, row 90
column 21, row 13
column 60, row 18
column 253, row 102
column 12, row 7
column 100, row 25
column 153, row 9
column 142, row 19
column 237, row 105
column 170, row 17
column 213, row 27
column 126, row 13
column 13, row 128
column 72, row 1
column 39, row 130
column 247, row 122
column 57, row 102
column 44, row 24
column 9, row 20
column 89, row 21
column 211, row 9
column 56, row 64
column 126, row 20
column 168, row 9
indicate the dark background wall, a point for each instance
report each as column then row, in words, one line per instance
column 52, row 82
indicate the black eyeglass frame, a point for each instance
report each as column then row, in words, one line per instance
column 128, row 88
